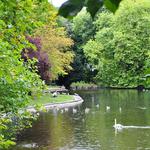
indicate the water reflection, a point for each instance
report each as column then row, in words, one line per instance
column 90, row 126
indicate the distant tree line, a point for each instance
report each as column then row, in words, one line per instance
column 113, row 49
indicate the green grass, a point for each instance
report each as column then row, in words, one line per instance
column 47, row 99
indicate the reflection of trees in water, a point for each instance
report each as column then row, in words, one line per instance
column 52, row 130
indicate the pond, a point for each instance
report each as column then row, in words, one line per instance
column 90, row 126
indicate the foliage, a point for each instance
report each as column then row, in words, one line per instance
column 43, row 64
column 51, row 43
column 81, row 35
column 81, row 29
column 72, row 7
column 57, row 46
column 18, row 80
column 43, row 13
column 11, row 123
column 54, row 42
column 81, row 23
column 120, row 50
column 4, row 143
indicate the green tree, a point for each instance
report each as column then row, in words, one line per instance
column 17, row 79
column 120, row 50
column 81, row 29
column 57, row 45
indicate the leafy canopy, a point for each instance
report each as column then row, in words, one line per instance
column 19, row 80
column 120, row 50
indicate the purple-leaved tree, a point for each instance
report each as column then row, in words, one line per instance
column 43, row 63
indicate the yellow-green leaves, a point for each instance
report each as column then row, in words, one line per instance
column 58, row 47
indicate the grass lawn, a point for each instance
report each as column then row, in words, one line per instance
column 47, row 98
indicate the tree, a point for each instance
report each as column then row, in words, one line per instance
column 120, row 50
column 52, row 43
column 18, row 20
column 81, row 29
column 57, row 46
column 43, row 64
column 100, row 51
column 16, row 79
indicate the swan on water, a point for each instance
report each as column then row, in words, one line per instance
column 62, row 111
column 117, row 126
column 143, row 108
column 107, row 108
column 74, row 110
column 66, row 109
column 120, row 127
column 87, row 110
column 120, row 109
column 97, row 105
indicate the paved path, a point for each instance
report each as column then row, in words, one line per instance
column 76, row 101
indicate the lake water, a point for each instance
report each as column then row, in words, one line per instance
column 90, row 126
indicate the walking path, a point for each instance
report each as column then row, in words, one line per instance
column 76, row 101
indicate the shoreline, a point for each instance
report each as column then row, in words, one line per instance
column 72, row 103
column 108, row 88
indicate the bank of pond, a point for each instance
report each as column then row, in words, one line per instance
column 81, row 85
column 54, row 101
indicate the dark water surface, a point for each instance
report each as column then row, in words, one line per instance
column 91, row 127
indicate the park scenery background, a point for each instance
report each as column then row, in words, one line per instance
column 83, row 45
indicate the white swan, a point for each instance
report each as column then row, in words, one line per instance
column 74, row 110
column 97, row 105
column 107, row 107
column 120, row 109
column 117, row 126
column 87, row 110
column 62, row 111
column 66, row 109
